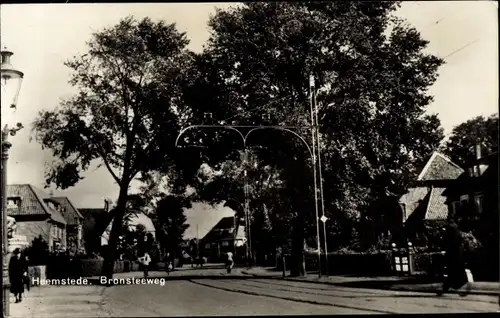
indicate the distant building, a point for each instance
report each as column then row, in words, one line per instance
column 37, row 215
column 74, row 224
column 227, row 235
column 98, row 222
column 94, row 219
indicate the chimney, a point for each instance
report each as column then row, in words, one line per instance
column 106, row 205
column 478, row 157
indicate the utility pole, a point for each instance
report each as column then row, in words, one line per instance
column 313, row 133
column 197, row 242
column 318, row 139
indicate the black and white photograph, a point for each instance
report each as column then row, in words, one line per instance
column 249, row 158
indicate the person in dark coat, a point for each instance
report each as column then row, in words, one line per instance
column 454, row 259
column 18, row 269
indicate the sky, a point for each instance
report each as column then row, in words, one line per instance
column 43, row 36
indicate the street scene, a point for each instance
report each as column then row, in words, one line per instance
column 207, row 292
column 260, row 158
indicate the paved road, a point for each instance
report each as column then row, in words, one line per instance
column 255, row 296
column 191, row 294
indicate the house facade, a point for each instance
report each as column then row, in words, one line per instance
column 37, row 215
column 473, row 203
column 228, row 235
column 74, row 225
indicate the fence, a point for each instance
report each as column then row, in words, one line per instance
column 483, row 266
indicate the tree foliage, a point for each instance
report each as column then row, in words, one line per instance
column 127, row 110
column 461, row 145
column 371, row 90
column 172, row 221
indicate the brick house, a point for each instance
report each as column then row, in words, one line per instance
column 36, row 215
column 74, row 224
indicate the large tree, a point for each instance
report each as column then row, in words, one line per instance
column 461, row 145
column 372, row 76
column 126, row 112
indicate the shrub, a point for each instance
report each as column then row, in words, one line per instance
column 38, row 252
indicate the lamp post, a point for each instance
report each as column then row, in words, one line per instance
column 11, row 85
column 244, row 138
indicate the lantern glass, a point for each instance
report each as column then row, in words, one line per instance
column 11, row 81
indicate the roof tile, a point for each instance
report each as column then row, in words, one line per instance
column 69, row 212
column 437, row 208
column 440, row 167
column 412, row 199
column 32, row 202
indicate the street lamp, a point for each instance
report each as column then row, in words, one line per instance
column 11, row 85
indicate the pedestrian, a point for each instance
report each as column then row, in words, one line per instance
column 168, row 263
column 229, row 262
column 27, row 278
column 145, row 260
column 454, row 259
column 17, row 271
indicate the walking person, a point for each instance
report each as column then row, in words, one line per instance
column 453, row 259
column 27, row 278
column 17, row 271
column 229, row 262
column 168, row 263
column 145, row 260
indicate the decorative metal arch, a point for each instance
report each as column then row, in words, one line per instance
column 244, row 137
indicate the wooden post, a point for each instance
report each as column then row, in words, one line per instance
column 284, row 265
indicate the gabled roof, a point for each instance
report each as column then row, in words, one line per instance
column 440, row 167
column 69, row 212
column 413, row 199
column 437, row 209
column 221, row 230
column 32, row 202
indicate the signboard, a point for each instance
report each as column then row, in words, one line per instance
column 18, row 241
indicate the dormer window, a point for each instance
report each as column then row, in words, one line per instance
column 13, row 202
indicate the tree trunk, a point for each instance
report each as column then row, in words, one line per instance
column 110, row 257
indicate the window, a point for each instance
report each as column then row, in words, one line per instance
column 464, row 199
column 479, row 202
column 225, row 243
column 13, row 203
column 455, row 206
column 207, row 245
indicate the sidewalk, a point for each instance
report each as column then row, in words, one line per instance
column 59, row 301
column 395, row 283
